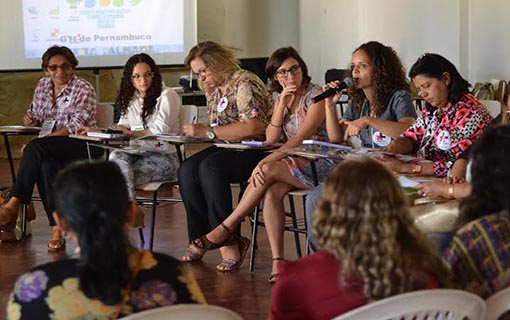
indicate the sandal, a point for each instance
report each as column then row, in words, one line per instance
column 57, row 242
column 273, row 277
column 192, row 255
column 205, row 244
column 229, row 265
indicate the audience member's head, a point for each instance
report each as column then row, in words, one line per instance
column 432, row 72
column 376, row 66
column 363, row 220
column 92, row 204
column 212, row 62
column 142, row 75
column 59, row 64
column 490, row 174
column 275, row 62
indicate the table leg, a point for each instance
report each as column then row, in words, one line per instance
column 9, row 157
column 314, row 172
column 179, row 152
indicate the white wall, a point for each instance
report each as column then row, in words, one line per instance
column 257, row 28
column 470, row 33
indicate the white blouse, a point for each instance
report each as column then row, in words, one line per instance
column 165, row 118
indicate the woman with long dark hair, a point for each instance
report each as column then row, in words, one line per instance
column 147, row 107
column 109, row 277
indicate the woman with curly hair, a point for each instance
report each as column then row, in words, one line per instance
column 369, row 248
column 147, row 107
column 379, row 110
column 380, row 106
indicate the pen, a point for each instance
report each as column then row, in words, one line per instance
column 194, row 119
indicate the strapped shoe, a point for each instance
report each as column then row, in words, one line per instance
column 205, row 244
column 273, row 277
column 229, row 265
column 192, row 255
column 11, row 224
column 57, row 242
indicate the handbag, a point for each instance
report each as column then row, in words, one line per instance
column 433, row 217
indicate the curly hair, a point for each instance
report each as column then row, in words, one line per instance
column 127, row 89
column 363, row 220
column 433, row 65
column 388, row 75
column 490, row 174
column 277, row 59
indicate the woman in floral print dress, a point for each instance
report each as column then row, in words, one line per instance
column 109, row 278
column 452, row 119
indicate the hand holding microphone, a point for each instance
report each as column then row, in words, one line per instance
column 346, row 83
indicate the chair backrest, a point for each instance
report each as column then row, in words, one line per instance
column 104, row 115
column 493, row 106
column 497, row 304
column 188, row 114
column 185, row 312
column 425, row 304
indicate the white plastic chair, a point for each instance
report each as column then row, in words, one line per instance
column 494, row 107
column 187, row 114
column 185, row 312
column 104, row 115
column 438, row 304
column 497, row 304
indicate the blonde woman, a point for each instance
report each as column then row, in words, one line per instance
column 369, row 248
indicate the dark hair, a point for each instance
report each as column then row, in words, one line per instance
column 92, row 197
column 58, row 51
column 490, row 174
column 127, row 89
column 388, row 75
column 277, row 59
column 433, row 65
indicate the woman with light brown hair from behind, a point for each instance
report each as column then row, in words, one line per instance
column 369, row 248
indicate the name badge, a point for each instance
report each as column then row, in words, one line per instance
column 380, row 139
column 222, row 105
column 47, row 128
column 443, row 140
column 137, row 128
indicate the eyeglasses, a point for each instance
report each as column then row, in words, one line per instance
column 138, row 77
column 201, row 73
column 65, row 67
column 284, row 73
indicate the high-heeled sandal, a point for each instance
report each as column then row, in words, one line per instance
column 192, row 255
column 273, row 277
column 229, row 265
column 57, row 242
column 205, row 244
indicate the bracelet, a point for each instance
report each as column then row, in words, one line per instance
column 274, row 125
column 450, row 192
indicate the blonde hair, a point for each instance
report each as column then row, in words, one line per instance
column 217, row 57
column 363, row 220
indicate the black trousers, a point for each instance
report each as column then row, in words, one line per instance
column 40, row 163
column 204, row 182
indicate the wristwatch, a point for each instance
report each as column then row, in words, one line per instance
column 210, row 134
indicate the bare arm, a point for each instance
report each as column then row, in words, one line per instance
column 393, row 129
column 234, row 131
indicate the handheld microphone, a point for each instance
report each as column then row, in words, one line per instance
column 347, row 83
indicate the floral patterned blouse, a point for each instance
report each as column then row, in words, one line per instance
column 52, row 291
column 442, row 136
column 245, row 97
